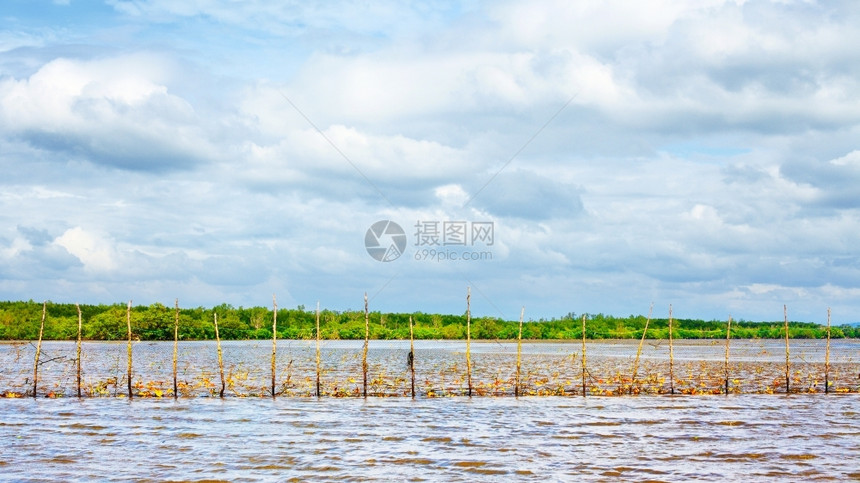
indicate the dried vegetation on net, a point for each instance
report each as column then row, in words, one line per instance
column 334, row 368
column 440, row 369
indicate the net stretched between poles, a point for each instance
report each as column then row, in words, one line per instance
column 548, row 368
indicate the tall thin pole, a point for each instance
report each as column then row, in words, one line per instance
column 78, row 349
column 469, row 338
column 726, row 365
column 366, row 343
column 827, row 357
column 220, row 358
column 39, row 348
column 639, row 350
column 318, row 349
column 671, row 356
column 411, row 358
column 787, row 366
column 583, row 356
column 519, row 352
column 128, row 325
column 274, row 339
column 175, row 347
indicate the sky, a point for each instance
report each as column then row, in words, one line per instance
column 577, row 157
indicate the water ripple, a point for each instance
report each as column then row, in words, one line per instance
column 455, row 439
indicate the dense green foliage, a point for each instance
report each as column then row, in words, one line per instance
column 20, row 321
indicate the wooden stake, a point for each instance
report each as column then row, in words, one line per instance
column 366, row 343
column 175, row 347
column 274, row 339
column 583, row 356
column 318, row 349
column 78, row 349
column 39, row 348
column 411, row 358
column 469, row 338
column 671, row 356
column 128, row 324
column 639, row 350
column 220, row 358
column 519, row 352
column 726, row 365
column 827, row 357
column 787, row 366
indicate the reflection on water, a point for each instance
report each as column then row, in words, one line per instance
column 749, row 437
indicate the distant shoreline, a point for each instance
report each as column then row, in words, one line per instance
column 20, row 320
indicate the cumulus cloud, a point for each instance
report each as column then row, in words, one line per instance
column 95, row 252
column 707, row 154
column 115, row 112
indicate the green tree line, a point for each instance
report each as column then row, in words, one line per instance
column 20, row 321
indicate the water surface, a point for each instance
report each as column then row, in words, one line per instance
column 669, row 438
column 547, row 368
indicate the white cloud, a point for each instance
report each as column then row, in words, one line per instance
column 96, row 252
column 114, row 111
column 17, row 246
column 851, row 159
column 378, row 162
column 451, row 195
column 407, row 84
column 709, row 155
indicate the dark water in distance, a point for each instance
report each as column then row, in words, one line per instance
column 658, row 438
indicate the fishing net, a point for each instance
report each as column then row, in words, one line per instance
column 438, row 368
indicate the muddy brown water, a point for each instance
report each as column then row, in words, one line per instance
column 747, row 435
column 665, row 438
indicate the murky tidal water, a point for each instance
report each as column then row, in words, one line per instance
column 749, row 435
column 548, row 368
column 668, row 438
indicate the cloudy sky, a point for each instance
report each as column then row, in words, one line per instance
column 702, row 154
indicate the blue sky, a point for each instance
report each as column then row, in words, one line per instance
column 700, row 154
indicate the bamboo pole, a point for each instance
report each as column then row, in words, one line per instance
column 827, row 357
column 787, row 365
column 78, row 349
column 39, row 348
column 411, row 358
column 639, row 349
column 519, row 352
column 469, row 338
column 175, row 347
column 671, row 356
column 220, row 358
column 128, row 325
column 366, row 343
column 274, row 339
column 726, row 364
column 318, row 349
column 583, row 356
